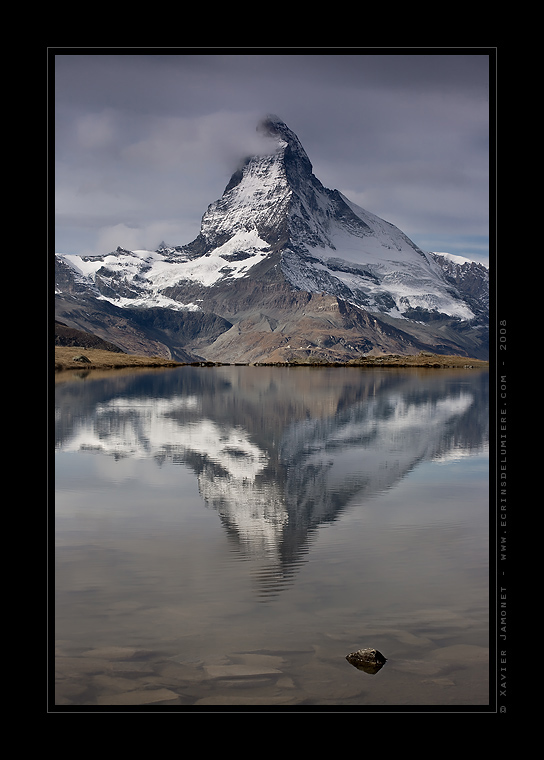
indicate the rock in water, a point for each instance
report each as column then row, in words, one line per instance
column 369, row 660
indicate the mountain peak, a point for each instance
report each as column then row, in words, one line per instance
column 271, row 124
column 263, row 196
column 274, row 127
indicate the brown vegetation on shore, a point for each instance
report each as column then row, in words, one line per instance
column 420, row 360
column 74, row 357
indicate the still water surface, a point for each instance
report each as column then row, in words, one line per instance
column 227, row 535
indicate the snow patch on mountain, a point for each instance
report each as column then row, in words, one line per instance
column 233, row 259
column 261, row 197
column 458, row 259
column 146, row 274
column 374, row 276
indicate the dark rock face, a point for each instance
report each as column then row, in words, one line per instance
column 471, row 279
column 68, row 336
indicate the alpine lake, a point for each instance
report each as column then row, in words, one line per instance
column 225, row 536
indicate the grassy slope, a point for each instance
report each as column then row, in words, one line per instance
column 101, row 359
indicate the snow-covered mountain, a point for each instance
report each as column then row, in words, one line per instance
column 285, row 269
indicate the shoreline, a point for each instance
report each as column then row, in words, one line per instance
column 67, row 358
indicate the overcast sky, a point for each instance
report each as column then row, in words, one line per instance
column 145, row 142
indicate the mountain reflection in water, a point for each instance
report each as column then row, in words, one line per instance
column 278, row 452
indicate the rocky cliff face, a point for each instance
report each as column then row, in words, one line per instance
column 282, row 269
